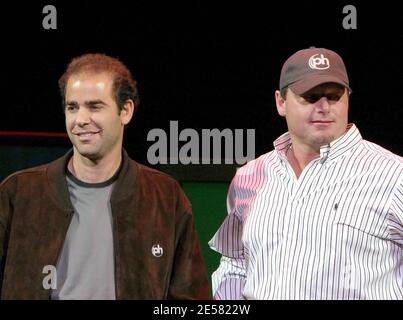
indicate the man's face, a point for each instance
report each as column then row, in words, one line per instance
column 93, row 122
column 317, row 117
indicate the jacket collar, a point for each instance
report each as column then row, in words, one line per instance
column 56, row 180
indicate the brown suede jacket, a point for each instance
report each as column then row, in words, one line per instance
column 148, row 208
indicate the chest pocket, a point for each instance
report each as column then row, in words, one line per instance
column 361, row 214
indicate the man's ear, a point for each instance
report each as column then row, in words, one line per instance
column 127, row 112
column 280, row 103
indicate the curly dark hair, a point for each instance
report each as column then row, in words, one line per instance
column 124, row 86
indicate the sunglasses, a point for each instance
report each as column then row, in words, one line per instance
column 314, row 97
column 331, row 93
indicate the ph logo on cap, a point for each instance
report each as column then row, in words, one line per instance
column 318, row 62
column 308, row 68
column 157, row 250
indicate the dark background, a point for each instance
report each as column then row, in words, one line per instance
column 207, row 64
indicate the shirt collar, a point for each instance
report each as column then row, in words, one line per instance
column 330, row 151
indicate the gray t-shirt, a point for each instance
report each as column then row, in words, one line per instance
column 85, row 269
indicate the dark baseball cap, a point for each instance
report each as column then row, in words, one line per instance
column 311, row 67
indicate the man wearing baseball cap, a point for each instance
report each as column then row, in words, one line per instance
column 320, row 216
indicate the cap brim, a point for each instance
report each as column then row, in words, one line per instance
column 304, row 85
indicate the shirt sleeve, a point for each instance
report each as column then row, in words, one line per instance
column 228, row 280
column 396, row 216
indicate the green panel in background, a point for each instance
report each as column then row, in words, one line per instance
column 209, row 209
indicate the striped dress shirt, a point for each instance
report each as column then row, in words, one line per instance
column 336, row 232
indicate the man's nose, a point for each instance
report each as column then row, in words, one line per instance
column 83, row 117
column 323, row 104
